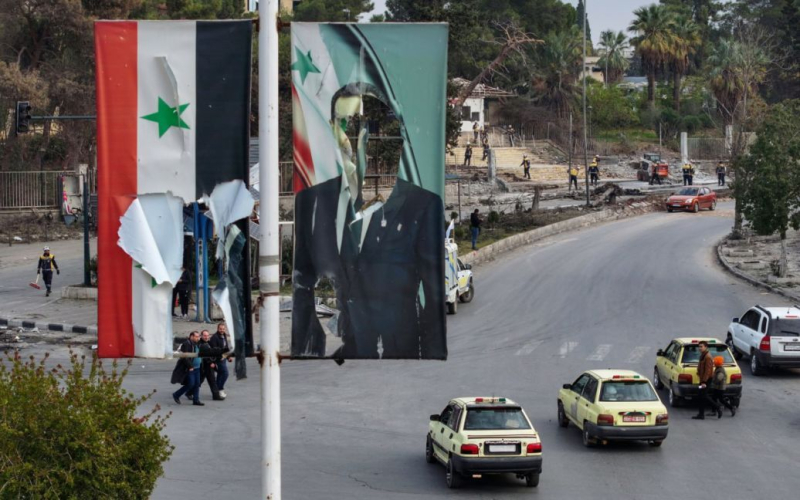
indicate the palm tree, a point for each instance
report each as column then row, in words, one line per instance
column 613, row 61
column 725, row 81
column 687, row 40
column 556, row 70
column 654, row 41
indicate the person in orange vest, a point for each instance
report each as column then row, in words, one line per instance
column 47, row 262
column 573, row 177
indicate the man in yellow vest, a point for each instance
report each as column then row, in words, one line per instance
column 688, row 173
column 594, row 171
column 573, row 177
column 47, row 262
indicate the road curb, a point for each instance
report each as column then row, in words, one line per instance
column 739, row 274
column 53, row 327
column 489, row 252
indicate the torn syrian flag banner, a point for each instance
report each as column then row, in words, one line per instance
column 173, row 103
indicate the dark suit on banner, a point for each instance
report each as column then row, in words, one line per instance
column 390, row 294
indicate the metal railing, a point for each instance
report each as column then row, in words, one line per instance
column 22, row 190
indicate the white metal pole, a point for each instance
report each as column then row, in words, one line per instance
column 268, row 249
column 585, row 138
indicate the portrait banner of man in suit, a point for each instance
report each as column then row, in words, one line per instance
column 369, row 104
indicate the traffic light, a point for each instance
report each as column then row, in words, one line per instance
column 23, row 117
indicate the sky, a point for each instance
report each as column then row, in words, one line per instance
column 603, row 14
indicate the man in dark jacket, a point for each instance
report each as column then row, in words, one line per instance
column 220, row 341
column 720, row 380
column 181, row 290
column 475, row 227
column 705, row 372
column 187, row 372
column 47, row 263
column 208, row 366
column 468, row 156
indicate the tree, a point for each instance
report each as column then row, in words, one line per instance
column 580, row 10
column 771, row 185
column 73, row 432
column 686, row 40
column 654, row 41
column 556, row 69
column 613, row 61
column 331, row 10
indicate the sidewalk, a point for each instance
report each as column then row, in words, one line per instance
column 753, row 259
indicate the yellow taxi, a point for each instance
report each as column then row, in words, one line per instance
column 477, row 436
column 676, row 369
column 613, row 405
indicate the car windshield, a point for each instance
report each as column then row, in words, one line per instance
column 691, row 353
column 688, row 192
column 495, row 419
column 786, row 327
column 638, row 390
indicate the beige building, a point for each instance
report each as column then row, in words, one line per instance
column 591, row 68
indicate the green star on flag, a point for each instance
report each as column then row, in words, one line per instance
column 304, row 64
column 167, row 117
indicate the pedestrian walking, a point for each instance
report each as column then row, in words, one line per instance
column 484, row 137
column 475, row 131
column 468, row 156
column 485, row 149
column 510, row 132
column 187, row 372
column 573, row 177
column 475, row 227
column 47, row 262
column 594, row 171
column 719, row 383
column 705, row 373
column 208, row 366
column 220, row 341
column 721, row 174
column 181, row 291
column 526, row 166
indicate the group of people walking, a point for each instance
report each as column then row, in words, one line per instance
column 713, row 380
column 211, row 364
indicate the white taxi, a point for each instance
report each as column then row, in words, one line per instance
column 473, row 437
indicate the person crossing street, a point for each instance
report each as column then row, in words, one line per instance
column 718, row 387
column 705, row 373
column 47, row 262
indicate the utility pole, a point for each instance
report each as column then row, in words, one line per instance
column 571, row 141
column 585, row 137
column 268, row 250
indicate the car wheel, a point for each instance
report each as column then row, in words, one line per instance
column 735, row 402
column 453, row 478
column 674, row 401
column 588, row 441
column 429, row 451
column 532, row 480
column 563, row 421
column 756, row 367
column 696, row 207
column 736, row 354
column 669, row 210
column 467, row 296
column 656, row 444
column 657, row 380
column 713, row 205
column 452, row 307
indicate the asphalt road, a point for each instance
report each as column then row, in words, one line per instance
column 606, row 297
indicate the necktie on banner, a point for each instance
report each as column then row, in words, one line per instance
column 173, row 101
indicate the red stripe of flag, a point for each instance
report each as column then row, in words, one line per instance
column 116, row 81
column 303, row 161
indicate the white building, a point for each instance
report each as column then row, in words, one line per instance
column 481, row 105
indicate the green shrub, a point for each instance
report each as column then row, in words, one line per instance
column 68, row 433
column 493, row 218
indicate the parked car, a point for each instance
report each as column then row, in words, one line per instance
column 477, row 436
column 676, row 369
column 613, row 405
column 770, row 336
column 692, row 198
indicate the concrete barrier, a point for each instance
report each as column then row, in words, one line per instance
column 79, row 292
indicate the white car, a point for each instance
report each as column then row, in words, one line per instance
column 770, row 336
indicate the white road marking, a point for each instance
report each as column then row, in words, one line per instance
column 566, row 348
column 528, row 348
column 600, row 353
column 638, row 353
